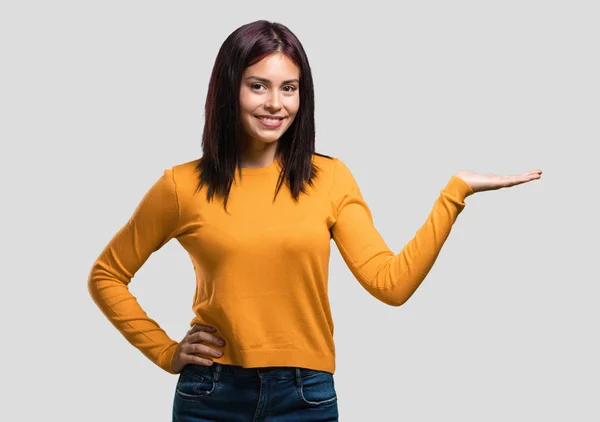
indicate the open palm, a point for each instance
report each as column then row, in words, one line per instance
column 483, row 182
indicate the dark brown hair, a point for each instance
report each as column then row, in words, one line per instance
column 221, row 138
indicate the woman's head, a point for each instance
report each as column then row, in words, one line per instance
column 269, row 88
column 271, row 52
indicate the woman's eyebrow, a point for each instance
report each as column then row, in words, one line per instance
column 268, row 81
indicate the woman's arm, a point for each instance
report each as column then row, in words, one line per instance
column 154, row 222
column 390, row 277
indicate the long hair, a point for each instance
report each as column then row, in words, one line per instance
column 222, row 134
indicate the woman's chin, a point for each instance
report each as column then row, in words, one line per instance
column 268, row 140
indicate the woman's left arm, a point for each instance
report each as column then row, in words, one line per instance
column 393, row 277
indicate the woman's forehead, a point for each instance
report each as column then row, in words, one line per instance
column 275, row 66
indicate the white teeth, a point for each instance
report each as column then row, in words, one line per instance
column 269, row 120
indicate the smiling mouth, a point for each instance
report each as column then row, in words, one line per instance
column 269, row 119
column 270, row 123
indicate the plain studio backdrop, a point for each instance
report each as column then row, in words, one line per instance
column 98, row 98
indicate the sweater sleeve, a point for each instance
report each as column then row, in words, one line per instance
column 392, row 278
column 153, row 223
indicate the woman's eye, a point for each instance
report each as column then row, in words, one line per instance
column 287, row 88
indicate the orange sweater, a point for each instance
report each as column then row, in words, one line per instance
column 262, row 269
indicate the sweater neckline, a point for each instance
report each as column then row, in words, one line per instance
column 248, row 171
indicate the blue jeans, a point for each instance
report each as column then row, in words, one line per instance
column 273, row 394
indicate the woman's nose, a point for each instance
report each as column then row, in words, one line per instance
column 274, row 102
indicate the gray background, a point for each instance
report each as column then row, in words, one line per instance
column 97, row 98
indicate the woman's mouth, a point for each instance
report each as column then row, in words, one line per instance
column 269, row 123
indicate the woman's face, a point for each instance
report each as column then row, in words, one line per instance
column 269, row 88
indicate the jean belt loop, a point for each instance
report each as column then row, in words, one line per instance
column 298, row 378
column 216, row 371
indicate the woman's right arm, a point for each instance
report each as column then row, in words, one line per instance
column 154, row 222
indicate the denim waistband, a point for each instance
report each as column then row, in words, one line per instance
column 278, row 372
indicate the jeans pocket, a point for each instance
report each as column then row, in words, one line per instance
column 317, row 387
column 195, row 382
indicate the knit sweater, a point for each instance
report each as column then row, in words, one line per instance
column 262, row 268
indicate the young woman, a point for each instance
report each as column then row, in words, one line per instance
column 256, row 213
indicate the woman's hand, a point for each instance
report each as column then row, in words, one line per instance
column 192, row 344
column 483, row 182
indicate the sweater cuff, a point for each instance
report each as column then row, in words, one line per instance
column 458, row 188
column 165, row 360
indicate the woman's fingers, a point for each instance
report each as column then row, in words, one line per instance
column 200, row 327
column 203, row 349
column 199, row 361
column 195, row 340
column 517, row 179
column 204, row 337
column 187, row 359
